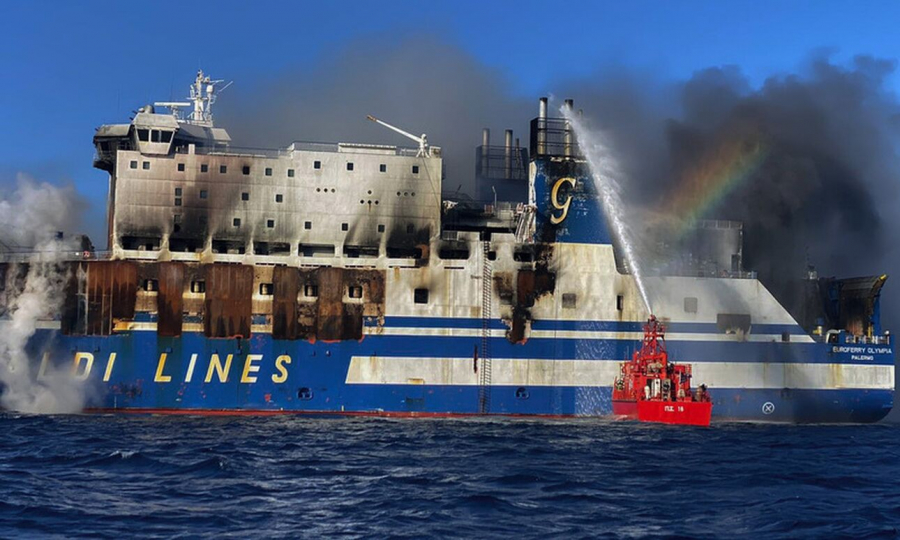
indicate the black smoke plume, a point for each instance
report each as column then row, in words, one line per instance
column 824, row 191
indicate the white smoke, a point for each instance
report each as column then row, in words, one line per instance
column 30, row 217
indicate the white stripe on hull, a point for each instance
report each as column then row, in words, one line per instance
column 542, row 372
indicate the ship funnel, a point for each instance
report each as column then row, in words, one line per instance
column 541, row 128
column 569, row 141
column 507, row 162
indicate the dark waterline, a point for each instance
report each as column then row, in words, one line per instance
column 116, row 476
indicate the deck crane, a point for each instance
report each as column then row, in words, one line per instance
column 424, row 150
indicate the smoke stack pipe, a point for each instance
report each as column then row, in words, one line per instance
column 508, row 153
column 568, row 105
column 485, row 152
column 541, row 135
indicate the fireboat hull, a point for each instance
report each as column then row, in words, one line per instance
column 690, row 413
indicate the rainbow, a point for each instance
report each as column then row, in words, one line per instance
column 703, row 187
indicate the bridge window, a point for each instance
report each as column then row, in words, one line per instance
column 569, row 300
column 420, row 296
column 154, row 135
column 144, row 135
column 690, row 305
column 166, row 136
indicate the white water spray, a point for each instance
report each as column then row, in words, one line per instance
column 30, row 216
column 606, row 173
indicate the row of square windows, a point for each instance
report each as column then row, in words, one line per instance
column 270, row 224
column 223, row 169
column 420, row 296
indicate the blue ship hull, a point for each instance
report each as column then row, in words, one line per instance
column 138, row 371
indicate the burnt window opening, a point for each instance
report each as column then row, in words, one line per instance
column 178, row 192
column 733, row 323
column 523, row 256
column 420, row 296
column 290, row 173
column 181, row 167
column 268, row 171
column 569, row 301
column 245, row 196
column 786, row 337
column 522, row 393
column 382, row 168
column 177, row 201
column 245, row 169
column 690, row 304
column 133, row 164
column 410, row 229
column 355, row 291
column 317, row 164
column 492, row 255
column 349, row 165
column 236, row 222
column 620, row 302
column 204, row 194
column 144, row 135
column 223, row 169
column 345, row 226
column 381, row 228
column 279, row 197
column 204, row 168
column 456, row 254
column 198, row 286
column 176, row 219
column 150, row 285
column 265, row 289
column 311, row 291
column 305, row 394
column 145, row 165
column 415, row 169
column 270, row 223
column 307, row 225
column 104, row 146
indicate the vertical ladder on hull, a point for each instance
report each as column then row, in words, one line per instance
column 484, row 390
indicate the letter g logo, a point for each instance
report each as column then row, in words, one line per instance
column 554, row 200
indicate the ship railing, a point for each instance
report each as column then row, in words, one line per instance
column 51, row 256
column 300, row 146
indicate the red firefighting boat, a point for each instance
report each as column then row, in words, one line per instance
column 651, row 389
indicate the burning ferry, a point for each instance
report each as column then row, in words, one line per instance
column 336, row 279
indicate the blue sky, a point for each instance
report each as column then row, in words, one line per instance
column 68, row 67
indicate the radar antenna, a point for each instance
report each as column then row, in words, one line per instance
column 424, row 150
column 203, row 95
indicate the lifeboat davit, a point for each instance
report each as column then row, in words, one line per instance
column 650, row 389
